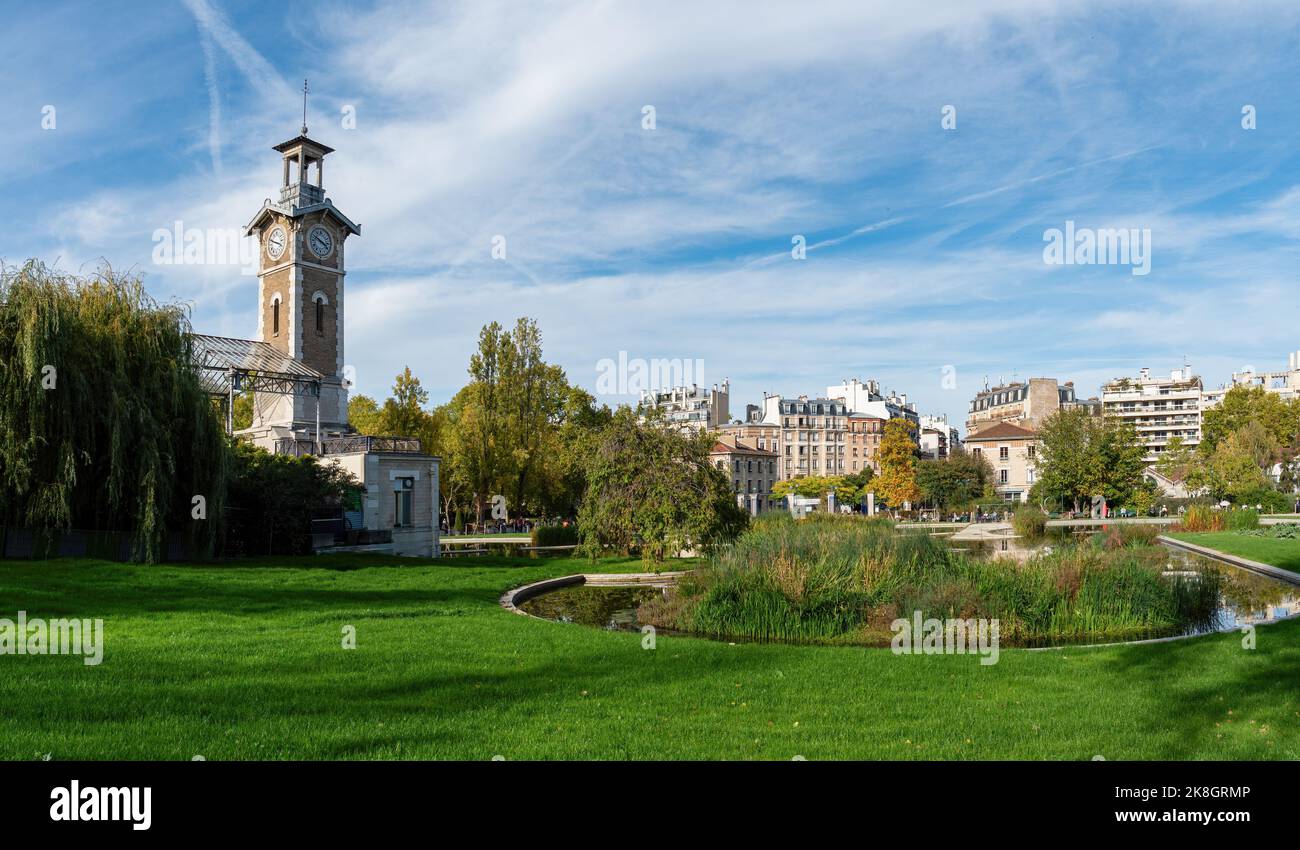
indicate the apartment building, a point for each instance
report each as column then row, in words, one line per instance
column 693, row 407
column 937, row 438
column 1159, row 408
column 753, row 471
column 813, row 434
column 1013, row 453
column 1285, row 384
column 867, row 399
column 863, row 441
column 1026, row 404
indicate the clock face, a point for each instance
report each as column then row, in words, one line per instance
column 320, row 241
column 276, row 242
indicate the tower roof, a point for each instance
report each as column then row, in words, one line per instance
column 303, row 140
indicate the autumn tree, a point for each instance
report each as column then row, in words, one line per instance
column 896, row 483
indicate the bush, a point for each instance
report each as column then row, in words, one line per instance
column 1271, row 500
column 1029, row 521
column 555, row 535
column 1242, row 519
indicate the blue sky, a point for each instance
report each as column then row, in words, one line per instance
column 525, row 120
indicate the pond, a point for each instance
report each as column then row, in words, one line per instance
column 1246, row 599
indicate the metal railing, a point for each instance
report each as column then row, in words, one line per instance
column 350, row 444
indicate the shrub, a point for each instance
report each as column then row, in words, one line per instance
column 1271, row 500
column 1242, row 519
column 1029, row 521
column 555, row 535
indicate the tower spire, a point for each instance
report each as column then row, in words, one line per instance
column 304, row 105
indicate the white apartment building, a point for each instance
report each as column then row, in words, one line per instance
column 937, row 438
column 866, row 399
column 693, row 407
column 1159, row 408
column 1285, row 384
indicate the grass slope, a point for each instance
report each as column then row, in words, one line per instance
column 1278, row 552
column 244, row 662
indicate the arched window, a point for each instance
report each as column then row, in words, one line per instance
column 320, row 300
column 275, row 315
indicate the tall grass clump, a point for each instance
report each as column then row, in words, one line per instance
column 1202, row 518
column 846, row 579
column 1242, row 519
column 103, row 423
column 1029, row 522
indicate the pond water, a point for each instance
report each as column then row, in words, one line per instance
column 1246, row 599
column 593, row 605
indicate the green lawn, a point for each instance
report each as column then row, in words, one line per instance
column 244, row 662
column 1266, row 550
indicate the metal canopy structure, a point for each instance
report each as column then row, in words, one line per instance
column 225, row 364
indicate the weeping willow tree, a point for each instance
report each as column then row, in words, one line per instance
column 103, row 424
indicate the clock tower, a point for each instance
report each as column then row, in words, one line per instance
column 300, row 288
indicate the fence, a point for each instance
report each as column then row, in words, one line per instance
column 42, row 544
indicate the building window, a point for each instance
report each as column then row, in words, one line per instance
column 275, row 317
column 320, row 318
column 1002, row 476
column 1004, row 453
column 1031, row 451
column 402, row 503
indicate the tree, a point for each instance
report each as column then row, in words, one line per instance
column 955, row 481
column 273, row 498
column 104, row 424
column 896, row 483
column 505, row 416
column 654, row 489
column 1242, row 405
column 363, row 415
column 1081, row 456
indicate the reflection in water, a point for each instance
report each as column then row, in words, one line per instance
column 608, row 607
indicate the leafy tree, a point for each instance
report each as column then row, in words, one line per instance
column 103, row 422
column 1081, row 456
column 272, row 500
column 363, row 415
column 896, row 482
column 1242, row 405
column 654, row 489
column 955, row 481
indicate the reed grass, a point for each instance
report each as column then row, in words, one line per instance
column 844, row 580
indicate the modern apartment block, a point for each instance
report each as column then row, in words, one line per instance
column 1013, row 453
column 1285, row 384
column 753, row 471
column 937, row 438
column 694, row 407
column 813, row 434
column 868, row 400
column 1160, row 408
column 1026, row 404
